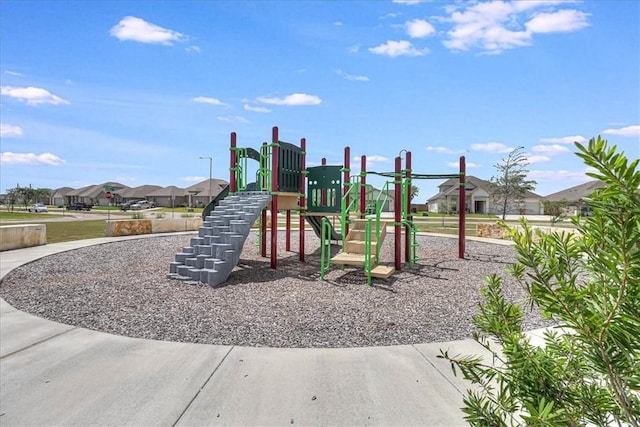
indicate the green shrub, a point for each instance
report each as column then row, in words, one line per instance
column 589, row 283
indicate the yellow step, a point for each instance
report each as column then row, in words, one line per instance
column 382, row 271
column 358, row 247
column 347, row 258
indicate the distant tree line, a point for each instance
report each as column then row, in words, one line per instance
column 26, row 196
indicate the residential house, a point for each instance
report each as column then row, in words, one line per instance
column 478, row 199
column 58, row 196
column 574, row 196
column 142, row 192
column 199, row 195
column 94, row 194
column 169, row 197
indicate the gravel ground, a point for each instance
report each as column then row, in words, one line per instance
column 121, row 288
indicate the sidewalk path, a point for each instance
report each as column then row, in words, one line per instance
column 56, row 374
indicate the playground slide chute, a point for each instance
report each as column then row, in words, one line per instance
column 316, row 223
column 212, row 255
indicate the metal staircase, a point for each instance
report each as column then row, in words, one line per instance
column 215, row 252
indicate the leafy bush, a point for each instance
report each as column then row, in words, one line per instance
column 587, row 282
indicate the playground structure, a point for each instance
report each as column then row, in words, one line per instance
column 284, row 183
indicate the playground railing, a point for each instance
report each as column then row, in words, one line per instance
column 413, row 244
column 325, row 247
column 367, row 249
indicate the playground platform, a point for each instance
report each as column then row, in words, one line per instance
column 57, row 374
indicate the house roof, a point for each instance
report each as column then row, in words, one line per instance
column 577, row 193
column 471, row 184
column 169, row 191
column 139, row 192
column 202, row 188
column 61, row 192
column 96, row 190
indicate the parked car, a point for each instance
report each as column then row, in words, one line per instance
column 143, row 204
column 38, row 207
column 79, row 206
column 127, row 205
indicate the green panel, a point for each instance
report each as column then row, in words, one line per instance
column 324, row 189
column 290, row 167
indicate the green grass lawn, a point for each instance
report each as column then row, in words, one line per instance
column 25, row 216
column 66, row 231
column 75, row 230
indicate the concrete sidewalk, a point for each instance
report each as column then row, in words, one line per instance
column 55, row 374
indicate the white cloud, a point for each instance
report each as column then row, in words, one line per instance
column 371, row 160
column 495, row 26
column 193, row 178
column 338, row 23
column 419, row 28
column 444, row 150
column 492, row 147
column 469, row 165
column 377, row 159
column 9, row 131
column 13, row 73
column 139, row 30
column 550, row 149
column 194, row 49
column 536, row 158
column 565, row 139
column 30, row 159
column 232, row 119
column 352, row 77
column 561, row 21
column 293, row 99
column 32, row 95
column 256, row 109
column 394, row 48
column 626, row 131
column 354, row 48
column 208, row 100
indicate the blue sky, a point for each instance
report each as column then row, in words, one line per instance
column 136, row 92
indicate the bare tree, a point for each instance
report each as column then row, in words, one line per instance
column 510, row 185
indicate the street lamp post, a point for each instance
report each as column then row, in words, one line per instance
column 210, row 170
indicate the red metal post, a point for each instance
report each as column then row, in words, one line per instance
column 345, row 184
column 407, row 236
column 233, row 164
column 303, row 199
column 462, row 205
column 363, row 182
column 274, row 197
column 397, row 207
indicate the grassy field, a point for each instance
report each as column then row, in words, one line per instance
column 24, row 216
column 76, row 230
column 66, row 231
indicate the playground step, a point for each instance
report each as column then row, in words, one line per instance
column 358, row 246
column 382, row 271
column 347, row 258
